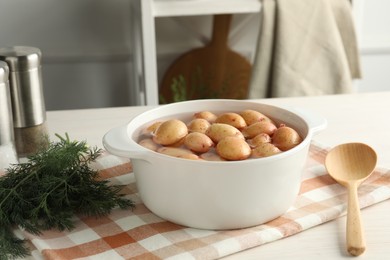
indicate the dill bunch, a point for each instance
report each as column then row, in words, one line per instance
column 48, row 190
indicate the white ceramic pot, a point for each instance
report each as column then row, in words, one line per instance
column 209, row 194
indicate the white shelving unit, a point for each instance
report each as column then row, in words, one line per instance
column 144, row 14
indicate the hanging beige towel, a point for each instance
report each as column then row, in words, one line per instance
column 305, row 47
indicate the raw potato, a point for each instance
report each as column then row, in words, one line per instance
column 170, row 132
column 178, row 144
column 265, row 150
column 149, row 144
column 176, row 152
column 258, row 128
column 218, row 131
column 189, row 156
column 150, row 129
column 259, row 139
column 286, row 138
column 233, row 148
column 253, row 116
column 232, row 119
column 219, row 137
column 198, row 142
column 211, row 117
column 199, row 125
column 211, row 156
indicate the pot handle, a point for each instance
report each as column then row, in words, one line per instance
column 116, row 142
column 315, row 122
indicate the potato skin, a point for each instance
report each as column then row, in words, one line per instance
column 170, row 132
column 232, row 119
column 219, row 137
column 257, row 128
column 252, row 116
column 199, row 125
column 259, row 139
column 265, row 150
column 175, row 151
column 217, row 131
column 198, row 142
column 211, row 156
column 211, row 117
column 286, row 138
column 189, row 156
column 233, row 148
column 148, row 143
column 152, row 128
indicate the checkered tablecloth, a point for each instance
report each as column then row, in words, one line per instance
column 139, row 234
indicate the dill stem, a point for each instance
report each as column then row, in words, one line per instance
column 16, row 187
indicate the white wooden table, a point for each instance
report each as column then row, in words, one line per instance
column 351, row 118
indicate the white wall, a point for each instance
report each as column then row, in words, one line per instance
column 375, row 46
column 87, row 45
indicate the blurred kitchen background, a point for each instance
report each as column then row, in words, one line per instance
column 87, row 45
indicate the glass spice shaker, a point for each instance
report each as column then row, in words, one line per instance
column 28, row 106
column 7, row 147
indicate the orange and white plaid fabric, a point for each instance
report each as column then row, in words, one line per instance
column 139, row 234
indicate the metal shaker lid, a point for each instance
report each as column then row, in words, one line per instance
column 25, row 80
column 6, row 124
column 21, row 58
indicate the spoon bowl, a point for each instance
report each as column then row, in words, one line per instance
column 350, row 164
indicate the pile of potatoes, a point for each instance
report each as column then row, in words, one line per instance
column 228, row 136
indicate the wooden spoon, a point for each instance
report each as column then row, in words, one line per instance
column 350, row 164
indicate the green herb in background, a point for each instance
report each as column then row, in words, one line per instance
column 198, row 86
column 48, row 190
column 179, row 89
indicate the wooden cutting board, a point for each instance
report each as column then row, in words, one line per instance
column 213, row 71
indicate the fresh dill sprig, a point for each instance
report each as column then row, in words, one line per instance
column 48, row 190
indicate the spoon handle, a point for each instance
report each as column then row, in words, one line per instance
column 356, row 244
